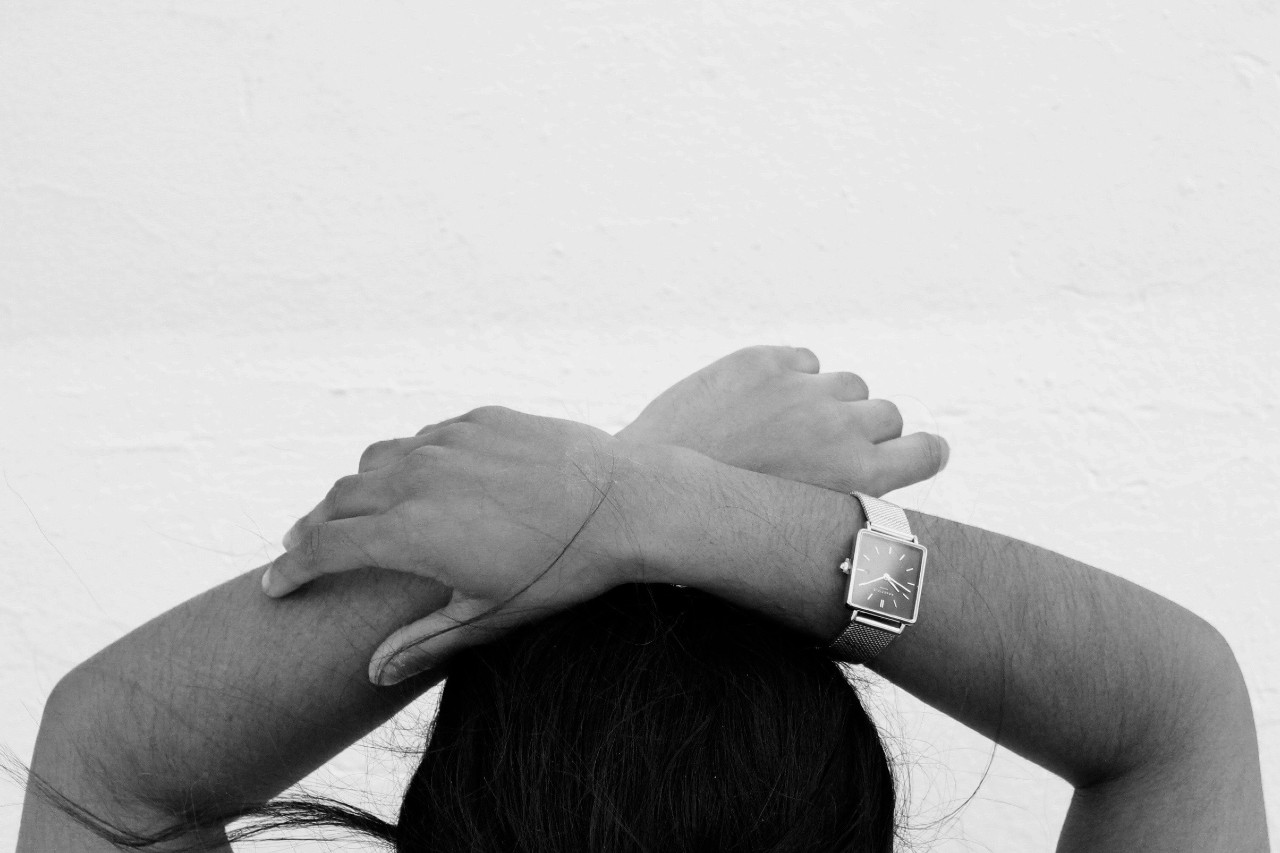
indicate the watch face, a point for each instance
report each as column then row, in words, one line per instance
column 886, row 576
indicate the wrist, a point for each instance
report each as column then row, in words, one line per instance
column 767, row 543
column 662, row 483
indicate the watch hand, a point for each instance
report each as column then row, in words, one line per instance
column 895, row 583
column 884, row 577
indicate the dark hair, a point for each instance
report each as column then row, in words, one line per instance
column 653, row 718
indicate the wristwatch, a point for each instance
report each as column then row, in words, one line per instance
column 886, row 574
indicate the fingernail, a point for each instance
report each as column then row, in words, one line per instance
column 266, row 581
column 391, row 673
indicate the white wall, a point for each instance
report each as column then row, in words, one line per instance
column 240, row 241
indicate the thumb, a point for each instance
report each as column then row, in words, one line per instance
column 913, row 458
column 430, row 641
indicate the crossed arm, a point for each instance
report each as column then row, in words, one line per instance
column 1136, row 702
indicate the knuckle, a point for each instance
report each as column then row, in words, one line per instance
column 489, row 414
column 310, row 547
column 427, row 454
column 375, row 454
column 340, row 492
column 453, row 434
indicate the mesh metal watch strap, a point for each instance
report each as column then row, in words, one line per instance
column 859, row 643
column 884, row 514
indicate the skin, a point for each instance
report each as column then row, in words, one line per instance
column 764, row 409
column 1135, row 701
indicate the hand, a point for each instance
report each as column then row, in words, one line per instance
column 762, row 408
column 767, row 409
column 519, row 515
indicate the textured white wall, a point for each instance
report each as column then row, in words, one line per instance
column 241, row 241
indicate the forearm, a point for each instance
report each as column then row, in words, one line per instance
column 233, row 696
column 1078, row 670
column 1134, row 700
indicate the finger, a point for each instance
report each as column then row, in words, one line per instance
column 843, row 385
column 910, row 459
column 430, row 641
column 380, row 454
column 350, row 496
column 330, row 547
column 804, row 360
column 429, row 427
column 383, row 453
column 880, row 419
